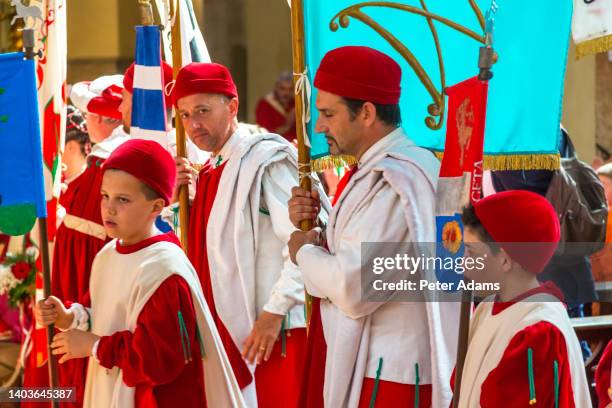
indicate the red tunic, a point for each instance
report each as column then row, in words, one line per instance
column 271, row 118
column 603, row 385
column 73, row 256
column 208, row 184
column 75, row 251
column 277, row 380
column 152, row 358
column 548, row 345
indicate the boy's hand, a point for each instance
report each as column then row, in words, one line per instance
column 258, row 346
column 52, row 311
column 73, row 344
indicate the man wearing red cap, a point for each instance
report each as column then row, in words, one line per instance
column 522, row 348
column 237, row 237
column 148, row 323
column 81, row 234
column 194, row 154
column 370, row 353
column 275, row 111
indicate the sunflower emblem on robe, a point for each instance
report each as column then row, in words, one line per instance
column 452, row 236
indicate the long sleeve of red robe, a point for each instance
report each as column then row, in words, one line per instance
column 508, row 384
column 152, row 358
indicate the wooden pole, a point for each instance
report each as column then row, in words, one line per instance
column 297, row 39
column 486, row 58
column 462, row 342
column 28, row 43
column 181, row 142
column 44, row 252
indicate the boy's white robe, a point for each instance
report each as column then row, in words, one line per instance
column 491, row 334
column 120, row 286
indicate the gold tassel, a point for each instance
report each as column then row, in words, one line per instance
column 546, row 161
column 329, row 162
column 594, row 46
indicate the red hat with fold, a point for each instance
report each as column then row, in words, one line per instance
column 128, row 80
column 363, row 73
column 203, row 77
column 148, row 162
column 101, row 96
column 518, row 216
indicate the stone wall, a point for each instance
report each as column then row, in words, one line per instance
column 603, row 93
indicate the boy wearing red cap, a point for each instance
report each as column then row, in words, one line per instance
column 239, row 227
column 370, row 353
column 148, row 323
column 522, row 348
column 81, row 234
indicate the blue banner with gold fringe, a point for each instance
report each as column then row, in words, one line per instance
column 437, row 43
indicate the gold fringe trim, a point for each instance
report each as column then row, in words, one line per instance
column 594, row 46
column 329, row 162
column 518, row 161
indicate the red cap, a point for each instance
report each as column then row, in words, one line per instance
column 128, row 80
column 520, row 216
column 203, row 77
column 101, row 96
column 148, row 162
column 360, row 73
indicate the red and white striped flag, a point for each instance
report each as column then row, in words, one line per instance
column 51, row 72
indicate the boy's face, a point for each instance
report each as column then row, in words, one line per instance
column 494, row 263
column 127, row 214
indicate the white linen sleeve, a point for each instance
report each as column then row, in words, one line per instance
column 94, row 350
column 81, row 319
column 277, row 181
column 337, row 277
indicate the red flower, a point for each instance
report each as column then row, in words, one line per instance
column 21, row 270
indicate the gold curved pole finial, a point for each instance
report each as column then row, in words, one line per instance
column 479, row 15
column 437, row 108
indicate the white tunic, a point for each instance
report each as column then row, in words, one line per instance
column 120, row 286
column 391, row 198
column 491, row 334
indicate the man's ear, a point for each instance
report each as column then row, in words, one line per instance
column 233, row 106
column 368, row 113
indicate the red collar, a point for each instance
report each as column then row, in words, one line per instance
column 130, row 249
column 547, row 287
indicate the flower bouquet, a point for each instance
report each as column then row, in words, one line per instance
column 18, row 276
